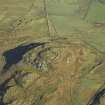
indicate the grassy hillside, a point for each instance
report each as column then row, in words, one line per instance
column 52, row 52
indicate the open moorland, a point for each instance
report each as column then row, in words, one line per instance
column 52, row 52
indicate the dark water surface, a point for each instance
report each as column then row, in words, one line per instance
column 13, row 56
column 97, row 97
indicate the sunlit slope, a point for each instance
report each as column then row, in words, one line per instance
column 22, row 19
column 38, row 19
column 78, row 18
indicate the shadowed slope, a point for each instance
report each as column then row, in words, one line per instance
column 96, row 99
column 13, row 56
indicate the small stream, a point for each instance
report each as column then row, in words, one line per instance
column 97, row 97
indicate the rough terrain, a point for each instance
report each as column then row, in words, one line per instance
column 52, row 52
